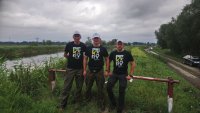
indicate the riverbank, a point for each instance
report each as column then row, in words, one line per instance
column 13, row 52
column 33, row 61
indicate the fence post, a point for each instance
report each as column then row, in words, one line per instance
column 170, row 94
column 52, row 79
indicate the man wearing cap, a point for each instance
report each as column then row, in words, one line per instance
column 96, row 55
column 120, row 58
column 74, row 52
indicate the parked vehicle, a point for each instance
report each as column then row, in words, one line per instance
column 191, row 60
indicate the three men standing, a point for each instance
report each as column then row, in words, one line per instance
column 94, row 56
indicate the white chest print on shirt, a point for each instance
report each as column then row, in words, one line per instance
column 95, row 53
column 76, row 52
column 119, row 60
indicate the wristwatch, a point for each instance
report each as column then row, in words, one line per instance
column 106, row 70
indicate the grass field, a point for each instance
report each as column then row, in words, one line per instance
column 11, row 52
column 26, row 91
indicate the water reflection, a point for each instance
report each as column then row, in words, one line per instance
column 35, row 60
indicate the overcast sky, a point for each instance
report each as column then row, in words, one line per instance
column 56, row 20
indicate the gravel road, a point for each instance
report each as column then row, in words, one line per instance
column 191, row 74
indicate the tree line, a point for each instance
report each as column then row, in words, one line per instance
column 87, row 42
column 182, row 34
column 113, row 42
column 34, row 43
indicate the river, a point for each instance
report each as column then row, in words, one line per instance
column 34, row 60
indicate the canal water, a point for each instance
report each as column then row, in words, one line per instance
column 34, row 60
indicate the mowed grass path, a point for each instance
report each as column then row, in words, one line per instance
column 19, row 96
column 151, row 97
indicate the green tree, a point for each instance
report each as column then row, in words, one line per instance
column 48, row 42
column 182, row 35
column 112, row 42
column 160, row 35
column 88, row 42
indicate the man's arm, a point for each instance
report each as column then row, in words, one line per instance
column 85, row 59
column 66, row 55
column 107, row 66
column 132, row 64
column 110, row 59
column 66, row 51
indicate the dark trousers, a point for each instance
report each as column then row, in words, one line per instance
column 122, row 87
column 69, row 78
column 100, row 80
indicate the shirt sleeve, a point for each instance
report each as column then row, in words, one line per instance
column 105, row 53
column 84, row 47
column 87, row 53
column 130, row 57
column 67, row 48
column 111, row 56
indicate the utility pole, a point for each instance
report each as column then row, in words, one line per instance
column 37, row 39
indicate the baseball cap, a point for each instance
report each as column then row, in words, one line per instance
column 76, row 34
column 96, row 35
column 119, row 42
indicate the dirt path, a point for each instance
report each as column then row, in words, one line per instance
column 188, row 76
column 191, row 74
column 194, row 71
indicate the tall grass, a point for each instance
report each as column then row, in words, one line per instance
column 25, row 90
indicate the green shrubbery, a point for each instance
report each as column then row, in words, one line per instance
column 26, row 90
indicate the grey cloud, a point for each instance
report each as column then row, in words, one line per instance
column 140, row 8
column 130, row 20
